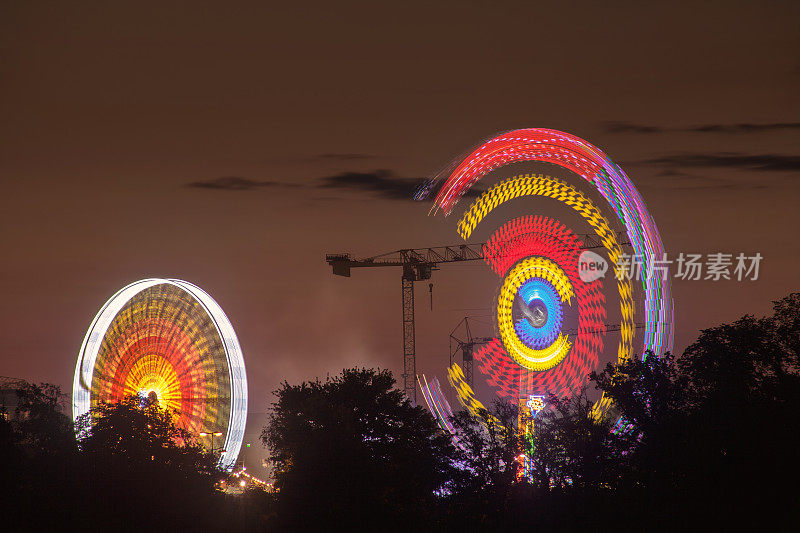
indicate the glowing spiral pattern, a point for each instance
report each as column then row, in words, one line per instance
column 539, row 294
column 536, row 270
column 537, row 261
column 514, row 243
column 589, row 162
column 171, row 340
column 546, row 186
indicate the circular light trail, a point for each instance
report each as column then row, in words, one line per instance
column 168, row 340
column 537, row 260
column 591, row 164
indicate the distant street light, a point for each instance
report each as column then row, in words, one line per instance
column 212, row 435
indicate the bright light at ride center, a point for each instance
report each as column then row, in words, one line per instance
column 155, row 375
column 541, row 314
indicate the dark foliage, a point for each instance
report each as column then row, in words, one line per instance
column 39, row 456
column 489, row 495
column 574, row 449
column 135, row 457
column 353, row 451
column 706, row 440
column 131, row 469
column 40, row 422
column 715, row 430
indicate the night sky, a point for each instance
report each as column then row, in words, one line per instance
column 234, row 145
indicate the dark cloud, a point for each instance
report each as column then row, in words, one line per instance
column 231, row 183
column 678, row 180
column 672, row 173
column 762, row 162
column 629, row 127
column 387, row 185
column 382, row 182
column 742, row 127
column 729, row 186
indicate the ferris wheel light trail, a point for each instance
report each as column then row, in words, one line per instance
column 437, row 403
column 511, row 244
column 589, row 162
column 548, row 187
column 170, row 340
column 539, row 262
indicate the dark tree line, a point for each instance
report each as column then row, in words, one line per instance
column 123, row 466
column 353, row 451
column 707, row 439
column 715, row 430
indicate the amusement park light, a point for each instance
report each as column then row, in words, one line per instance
column 537, row 261
column 610, row 181
column 167, row 339
column 535, row 404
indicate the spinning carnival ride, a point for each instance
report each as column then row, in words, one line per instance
column 537, row 258
column 168, row 339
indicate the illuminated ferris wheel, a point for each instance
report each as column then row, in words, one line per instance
column 550, row 315
column 167, row 339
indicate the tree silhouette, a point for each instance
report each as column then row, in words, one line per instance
column 135, row 459
column 39, row 454
column 40, row 421
column 715, row 429
column 575, row 449
column 491, row 494
column 352, row 451
column 490, row 446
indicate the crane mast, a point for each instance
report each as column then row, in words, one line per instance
column 417, row 265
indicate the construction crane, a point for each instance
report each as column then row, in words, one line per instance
column 418, row 265
column 466, row 346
